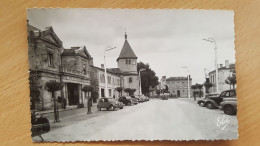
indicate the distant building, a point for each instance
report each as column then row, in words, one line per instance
column 178, row 86
column 223, row 73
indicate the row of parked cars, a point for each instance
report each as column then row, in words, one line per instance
column 112, row 104
column 226, row 101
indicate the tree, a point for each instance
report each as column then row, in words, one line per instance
column 207, row 86
column 53, row 86
column 119, row 90
column 87, row 89
column 148, row 77
column 127, row 90
column 132, row 91
column 199, row 86
column 194, row 87
column 228, row 82
column 232, row 80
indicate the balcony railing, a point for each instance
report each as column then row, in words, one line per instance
column 76, row 72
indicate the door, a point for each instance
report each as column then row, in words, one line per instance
column 73, row 93
column 102, row 92
column 178, row 93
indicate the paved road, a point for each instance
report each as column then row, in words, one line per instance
column 174, row 119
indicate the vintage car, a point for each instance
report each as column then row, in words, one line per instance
column 214, row 102
column 40, row 124
column 201, row 101
column 229, row 106
column 126, row 100
column 109, row 103
column 133, row 100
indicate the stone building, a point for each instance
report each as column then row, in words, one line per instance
column 44, row 64
column 178, row 86
column 223, row 73
column 75, row 73
column 113, row 81
column 48, row 60
column 127, row 68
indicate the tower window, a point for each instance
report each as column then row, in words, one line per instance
column 130, row 80
column 129, row 61
column 126, row 61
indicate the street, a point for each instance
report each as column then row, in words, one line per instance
column 178, row 119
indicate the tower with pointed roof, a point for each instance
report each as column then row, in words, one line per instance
column 127, row 60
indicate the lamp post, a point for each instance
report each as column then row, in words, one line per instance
column 187, row 69
column 212, row 40
column 107, row 49
column 140, row 91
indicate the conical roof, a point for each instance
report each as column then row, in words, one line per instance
column 127, row 52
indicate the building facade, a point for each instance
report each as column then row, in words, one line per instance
column 178, row 86
column 223, row 73
column 113, row 81
column 48, row 60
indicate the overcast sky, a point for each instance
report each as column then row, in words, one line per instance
column 166, row 39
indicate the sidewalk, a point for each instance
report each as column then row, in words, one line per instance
column 69, row 111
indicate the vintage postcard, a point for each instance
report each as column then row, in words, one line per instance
column 131, row 74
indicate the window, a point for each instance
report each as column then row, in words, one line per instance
column 50, row 59
column 129, row 61
column 126, row 61
column 109, row 79
column 109, row 92
column 130, row 80
column 84, row 69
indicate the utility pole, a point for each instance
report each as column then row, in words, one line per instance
column 212, row 40
column 107, row 49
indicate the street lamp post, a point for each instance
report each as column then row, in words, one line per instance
column 187, row 69
column 107, row 49
column 212, row 40
column 140, row 91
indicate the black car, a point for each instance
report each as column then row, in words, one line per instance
column 214, row 102
column 202, row 101
column 125, row 101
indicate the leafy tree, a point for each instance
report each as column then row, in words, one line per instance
column 207, row 86
column 53, row 86
column 127, row 90
column 87, row 89
column 132, row 91
column 194, row 87
column 148, row 77
column 232, row 80
column 119, row 90
column 199, row 86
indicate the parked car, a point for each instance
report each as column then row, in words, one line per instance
column 144, row 98
column 133, row 100
column 229, row 104
column 40, row 124
column 126, row 100
column 109, row 103
column 214, row 102
column 202, row 101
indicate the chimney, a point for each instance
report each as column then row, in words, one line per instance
column 226, row 63
column 102, row 66
column 221, row 65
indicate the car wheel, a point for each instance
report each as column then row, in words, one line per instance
column 121, row 107
column 129, row 103
column 229, row 110
column 201, row 104
column 210, row 105
column 112, row 107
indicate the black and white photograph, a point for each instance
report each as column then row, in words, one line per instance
column 131, row 74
